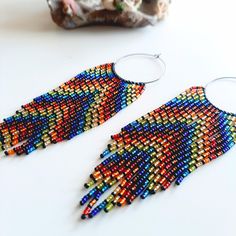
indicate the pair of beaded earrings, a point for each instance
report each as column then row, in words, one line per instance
column 147, row 156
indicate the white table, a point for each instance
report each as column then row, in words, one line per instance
column 39, row 194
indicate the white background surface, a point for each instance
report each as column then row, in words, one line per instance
column 39, row 194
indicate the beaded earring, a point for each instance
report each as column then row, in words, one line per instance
column 84, row 102
column 161, row 147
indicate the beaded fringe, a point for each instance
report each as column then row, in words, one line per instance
column 160, row 148
column 84, row 102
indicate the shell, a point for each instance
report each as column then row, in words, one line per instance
column 71, row 14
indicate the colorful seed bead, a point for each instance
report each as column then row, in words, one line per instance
column 84, row 102
column 161, row 147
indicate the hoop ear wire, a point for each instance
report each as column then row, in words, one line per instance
column 153, row 56
column 219, row 79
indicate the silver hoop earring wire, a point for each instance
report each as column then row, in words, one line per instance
column 155, row 57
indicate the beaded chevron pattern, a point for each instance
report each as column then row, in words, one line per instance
column 84, row 102
column 160, row 148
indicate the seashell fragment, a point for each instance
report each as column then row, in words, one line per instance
column 71, row 14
